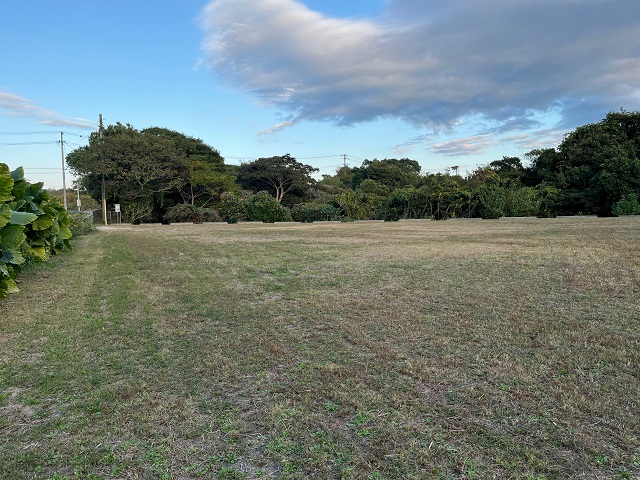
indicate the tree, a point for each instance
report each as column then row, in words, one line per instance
column 204, row 181
column 277, row 175
column 149, row 171
column 390, row 172
column 137, row 168
column 204, row 176
column 509, row 169
column 445, row 196
column 339, row 182
column 594, row 167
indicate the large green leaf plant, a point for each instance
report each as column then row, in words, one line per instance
column 32, row 226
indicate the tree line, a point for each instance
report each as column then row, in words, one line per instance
column 159, row 175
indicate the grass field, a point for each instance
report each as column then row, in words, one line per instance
column 409, row 350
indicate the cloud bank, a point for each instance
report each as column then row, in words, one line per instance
column 432, row 63
column 17, row 106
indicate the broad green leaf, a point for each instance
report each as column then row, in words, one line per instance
column 6, row 186
column 19, row 188
column 8, row 285
column 36, row 252
column 18, row 174
column 4, row 169
column 42, row 222
column 65, row 233
column 55, row 228
column 17, row 205
column 35, row 190
column 47, row 208
column 5, row 215
column 11, row 236
column 13, row 257
column 12, row 286
column 22, row 218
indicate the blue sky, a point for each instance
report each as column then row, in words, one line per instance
column 456, row 82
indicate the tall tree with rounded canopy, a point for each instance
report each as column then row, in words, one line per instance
column 149, row 170
column 277, row 175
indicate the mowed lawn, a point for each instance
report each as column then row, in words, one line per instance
column 410, row 350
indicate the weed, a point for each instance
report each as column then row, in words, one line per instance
column 331, row 407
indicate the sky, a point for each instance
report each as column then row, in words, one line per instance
column 447, row 83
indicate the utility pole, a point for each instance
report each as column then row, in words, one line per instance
column 104, row 198
column 64, row 183
column 78, row 201
column 344, row 156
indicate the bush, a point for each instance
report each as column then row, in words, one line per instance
column 233, row 207
column 489, row 201
column 81, row 223
column 354, row 205
column 521, row 201
column 493, row 200
column 262, row 206
column 32, row 228
column 627, row 205
column 185, row 212
column 315, row 212
column 548, row 200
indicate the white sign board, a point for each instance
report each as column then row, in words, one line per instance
column 117, row 207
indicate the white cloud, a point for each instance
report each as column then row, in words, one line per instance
column 275, row 128
column 17, row 106
column 545, row 138
column 474, row 145
column 432, row 63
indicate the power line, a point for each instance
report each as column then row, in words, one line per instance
column 44, row 168
column 28, row 143
column 330, row 166
column 42, row 132
column 75, row 134
column 311, row 158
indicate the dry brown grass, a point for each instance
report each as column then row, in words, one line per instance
column 417, row 349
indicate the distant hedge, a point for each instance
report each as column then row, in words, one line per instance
column 32, row 226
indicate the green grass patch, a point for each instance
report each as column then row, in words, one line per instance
column 408, row 350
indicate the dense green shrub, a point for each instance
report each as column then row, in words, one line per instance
column 31, row 227
column 438, row 199
column 81, row 223
column 184, row 212
column 488, row 200
column 262, row 206
column 357, row 205
column 520, row 201
column 494, row 200
column 627, row 205
column 315, row 212
column 234, row 207
column 548, row 198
